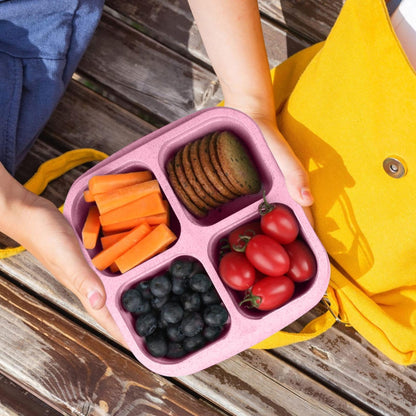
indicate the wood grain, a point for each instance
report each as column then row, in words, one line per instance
column 75, row 372
column 172, row 24
column 146, row 73
column 15, row 401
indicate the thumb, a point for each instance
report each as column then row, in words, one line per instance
column 44, row 232
column 296, row 177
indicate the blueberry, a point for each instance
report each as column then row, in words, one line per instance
column 211, row 333
column 146, row 324
column 200, row 282
column 171, row 312
column 174, row 333
column 157, row 302
column 157, row 344
column 194, row 343
column 215, row 315
column 132, row 300
column 144, row 308
column 191, row 324
column 144, row 289
column 161, row 285
column 181, row 268
column 211, row 297
column 175, row 350
column 191, row 301
column 197, row 267
column 179, row 285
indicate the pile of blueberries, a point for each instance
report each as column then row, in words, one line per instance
column 178, row 311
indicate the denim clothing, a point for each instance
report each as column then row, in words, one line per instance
column 41, row 44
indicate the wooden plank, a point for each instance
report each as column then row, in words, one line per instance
column 84, row 118
column 74, row 371
column 146, row 73
column 15, row 401
column 345, row 361
column 255, row 382
column 172, row 24
column 312, row 19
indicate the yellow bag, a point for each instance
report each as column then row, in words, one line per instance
column 347, row 106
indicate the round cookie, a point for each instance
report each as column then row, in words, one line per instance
column 177, row 187
column 183, row 180
column 200, row 174
column 193, row 181
column 209, row 169
column 237, row 164
column 215, row 162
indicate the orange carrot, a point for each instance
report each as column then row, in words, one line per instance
column 88, row 196
column 91, row 228
column 109, row 240
column 154, row 242
column 156, row 219
column 104, row 183
column 151, row 204
column 116, row 198
column 107, row 257
column 114, row 268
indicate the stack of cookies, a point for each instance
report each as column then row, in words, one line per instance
column 212, row 171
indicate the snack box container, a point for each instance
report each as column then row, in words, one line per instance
column 199, row 238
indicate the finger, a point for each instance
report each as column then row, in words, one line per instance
column 296, row 177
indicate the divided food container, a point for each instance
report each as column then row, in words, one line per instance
column 199, row 238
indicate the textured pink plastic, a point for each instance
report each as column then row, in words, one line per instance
column 199, row 238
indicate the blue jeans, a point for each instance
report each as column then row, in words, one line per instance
column 41, row 44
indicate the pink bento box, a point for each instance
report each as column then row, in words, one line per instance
column 199, row 238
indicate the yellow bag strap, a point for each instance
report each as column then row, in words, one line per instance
column 53, row 169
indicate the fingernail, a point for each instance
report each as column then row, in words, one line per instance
column 306, row 194
column 95, row 298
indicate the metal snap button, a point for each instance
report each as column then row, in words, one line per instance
column 394, row 167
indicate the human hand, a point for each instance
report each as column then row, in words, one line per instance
column 296, row 177
column 39, row 227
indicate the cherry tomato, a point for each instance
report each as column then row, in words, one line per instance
column 270, row 292
column 280, row 223
column 236, row 271
column 302, row 261
column 267, row 255
column 246, row 230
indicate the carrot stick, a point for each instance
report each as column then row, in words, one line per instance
column 151, row 204
column 91, row 228
column 88, row 196
column 104, row 183
column 154, row 242
column 114, row 268
column 116, row 198
column 109, row 240
column 156, row 219
column 107, row 257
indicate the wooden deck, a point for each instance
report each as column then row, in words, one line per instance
column 144, row 68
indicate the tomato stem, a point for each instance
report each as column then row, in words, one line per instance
column 265, row 207
column 254, row 300
column 242, row 248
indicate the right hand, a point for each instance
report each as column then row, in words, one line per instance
column 296, row 177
